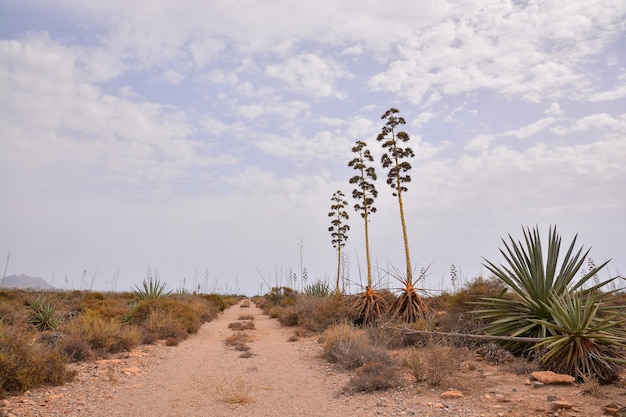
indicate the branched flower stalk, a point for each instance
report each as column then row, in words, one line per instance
column 338, row 229
column 369, row 304
column 409, row 306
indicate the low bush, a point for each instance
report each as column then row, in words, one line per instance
column 435, row 363
column 350, row 347
column 374, row 376
column 103, row 335
column 190, row 311
column 163, row 324
column 25, row 365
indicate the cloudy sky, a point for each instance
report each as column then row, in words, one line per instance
column 204, row 140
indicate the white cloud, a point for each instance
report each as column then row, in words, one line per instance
column 311, row 74
column 531, row 129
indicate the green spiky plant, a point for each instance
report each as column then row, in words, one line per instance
column 584, row 341
column 409, row 306
column 548, row 301
column 152, row 288
column 338, row 229
column 369, row 304
column 43, row 314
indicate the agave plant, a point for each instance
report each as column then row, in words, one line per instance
column 579, row 335
column 585, row 341
column 43, row 314
column 152, row 289
column 534, row 282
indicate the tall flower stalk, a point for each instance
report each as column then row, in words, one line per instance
column 369, row 304
column 338, row 229
column 409, row 306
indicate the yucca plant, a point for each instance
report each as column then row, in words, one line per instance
column 534, row 281
column 152, row 288
column 43, row 314
column 585, row 341
column 579, row 334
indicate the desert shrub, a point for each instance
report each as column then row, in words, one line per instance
column 279, row 296
column 288, row 316
column 189, row 310
column 162, row 324
column 75, row 347
column 435, row 363
column 103, row 335
column 217, row 300
column 112, row 306
column 455, row 309
column 245, row 304
column 316, row 314
column 239, row 341
column 25, row 365
column 246, row 317
column 12, row 312
column 350, row 347
column 374, row 376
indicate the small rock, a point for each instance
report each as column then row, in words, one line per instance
column 527, row 382
column 552, row 398
column 614, row 409
column 439, row 405
column 537, row 384
column 561, row 405
column 551, row 378
column 451, row 394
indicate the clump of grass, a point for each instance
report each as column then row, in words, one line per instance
column 103, row 335
column 293, row 338
column 237, row 394
column 591, row 386
column 246, row 355
column 239, row 341
column 189, row 311
column 162, row 324
column 25, row 365
column 350, row 347
column 246, row 317
column 245, row 304
column 241, row 326
column 435, row 363
column 374, row 376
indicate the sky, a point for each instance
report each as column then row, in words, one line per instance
column 201, row 142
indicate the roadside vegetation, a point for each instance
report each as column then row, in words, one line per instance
column 42, row 333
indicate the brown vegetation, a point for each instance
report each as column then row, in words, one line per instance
column 42, row 332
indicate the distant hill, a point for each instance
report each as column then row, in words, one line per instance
column 25, row 282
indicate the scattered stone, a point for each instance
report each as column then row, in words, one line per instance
column 537, row 384
column 133, row 370
column 552, row 378
column 439, row 405
column 561, row 405
column 451, row 394
column 614, row 409
column 552, row 398
column 527, row 382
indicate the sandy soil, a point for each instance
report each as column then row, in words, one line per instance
column 204, row 376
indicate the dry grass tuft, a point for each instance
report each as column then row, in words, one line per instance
column 245, row 304
column 373, row 376
column 435, row 364
column 246, row 317
column 237, row 394
column 591, row 386
column 350, row 347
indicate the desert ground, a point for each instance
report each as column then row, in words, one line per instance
column 283, row 375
